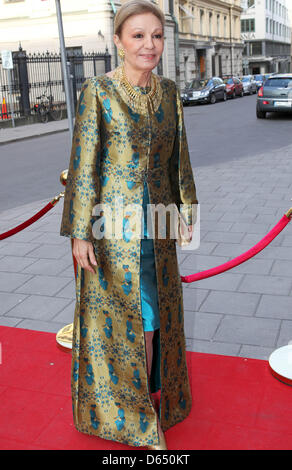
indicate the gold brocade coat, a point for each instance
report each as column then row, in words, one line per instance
column 114, row 149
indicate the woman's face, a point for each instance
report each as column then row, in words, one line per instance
column 142, row 40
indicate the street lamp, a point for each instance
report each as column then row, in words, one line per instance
column 65, row 69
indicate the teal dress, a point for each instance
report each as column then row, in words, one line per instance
column 148, row 281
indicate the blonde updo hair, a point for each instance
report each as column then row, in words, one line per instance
column 136, row 7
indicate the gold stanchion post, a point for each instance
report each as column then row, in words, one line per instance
column 65, row 334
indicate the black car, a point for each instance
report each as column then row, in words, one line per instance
column 204, row 91
column 275, row 95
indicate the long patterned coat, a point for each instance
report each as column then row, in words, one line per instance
column 113, row 150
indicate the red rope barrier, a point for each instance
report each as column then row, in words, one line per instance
column 30, row 221
column 241, row 258
column 192, row 277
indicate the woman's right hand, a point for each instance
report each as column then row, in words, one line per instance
column 84, row 254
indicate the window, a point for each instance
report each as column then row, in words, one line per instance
column 255, row 48
column 198, row 84
column 210, row 24
column 201, row 21
column 279, row 82
column 250, row 3
column 248, row 26
column 228, row 81
column 218, row 25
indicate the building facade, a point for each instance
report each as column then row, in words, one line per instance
column 266, row 32
column 88, row 26
column 209, row 38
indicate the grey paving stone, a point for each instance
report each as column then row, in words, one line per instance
column 263, row 210
column 198, row 262
column 253, row 238
column 250, row 227
column 8, row 301
column 248, row 331
column 193, row 298
column 254, row 266
column 24, row 236
column 50, row 238
column 212, row 215
column 68, row 291
column 275, row 252
column 55, row 252
column 205, row 207
column 199, row 325
column 285, row 335
column 225, row 281
column 282, row 268
column 52, row 226
column 228, row 206
column 213, row 347
column 68, row 272
column 224, row 237
column 18, row 248
column 14, row 264
column 287, row 240
column 265, row 219
column 230, row 249
column 9, row 321
column 181, row 256
column 66, row 316
column 205, row 248
column 38, row 325
column 42, row 285
column 231, row 303
column 256, row 352
column 10, row 281
column 49, row 219
column 240, row 218
column 266, row 284
column 49, row 267
column 38, row 307
column 218, row 226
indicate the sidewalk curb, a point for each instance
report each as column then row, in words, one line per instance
column 17, row 139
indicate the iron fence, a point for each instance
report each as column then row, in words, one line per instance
column 39, row 74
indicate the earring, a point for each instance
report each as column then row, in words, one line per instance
column 121, row 53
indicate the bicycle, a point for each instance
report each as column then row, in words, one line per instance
column 47, row 108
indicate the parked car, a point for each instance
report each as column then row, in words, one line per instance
column 275, row 95
column 204, row 91
column 249, row 84
column 234, row 87
column 259, row 79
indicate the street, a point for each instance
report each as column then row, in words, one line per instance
column 226, row 131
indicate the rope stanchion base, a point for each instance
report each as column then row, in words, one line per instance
column 64, row 338
column 280, row 364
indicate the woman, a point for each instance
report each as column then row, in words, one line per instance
column 128, row 342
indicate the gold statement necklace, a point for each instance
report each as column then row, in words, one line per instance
column 139, row 101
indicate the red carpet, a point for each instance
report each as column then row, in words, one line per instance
column 237, row 403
